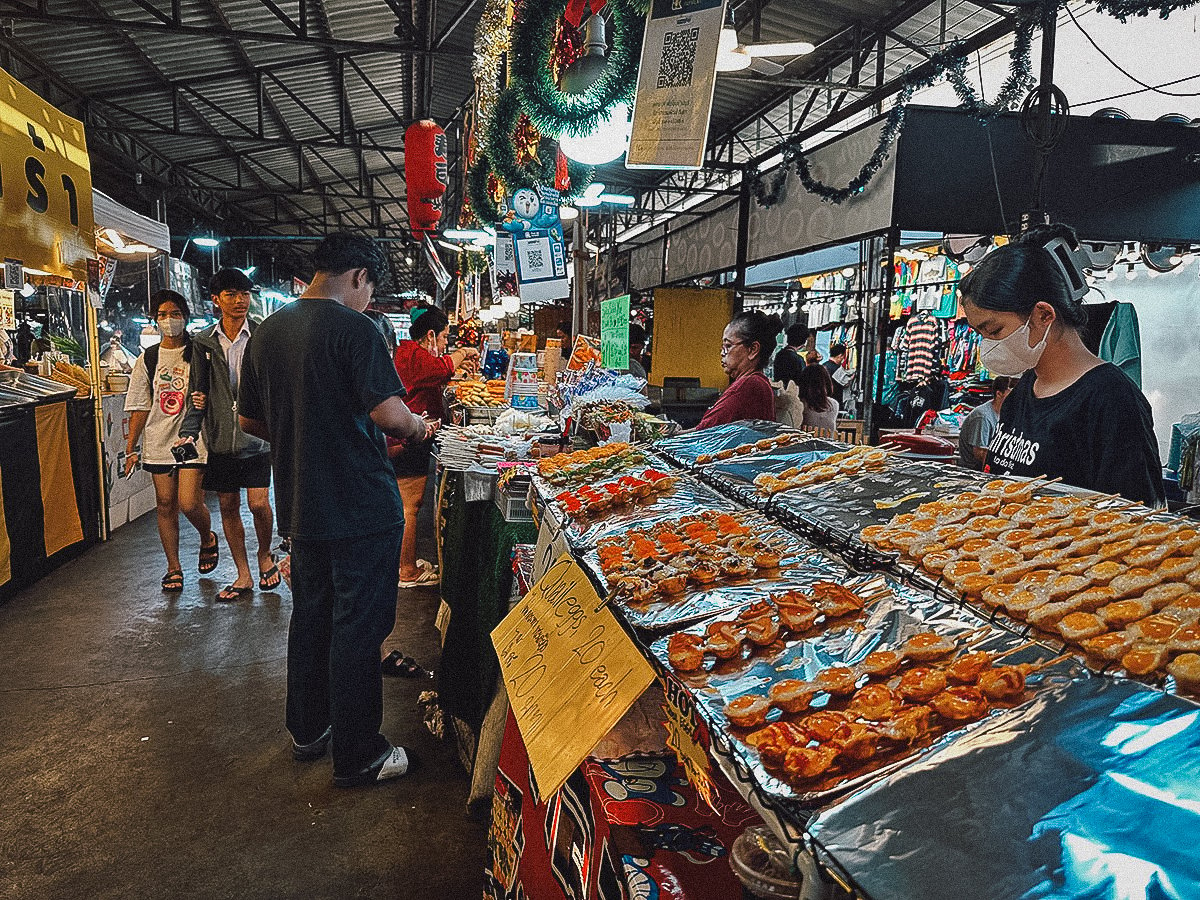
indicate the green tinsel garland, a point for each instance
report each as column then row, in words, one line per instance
column 553, row 111
column 1123, row 9
column 487, row 212
column 951, row 63
column 501, row 151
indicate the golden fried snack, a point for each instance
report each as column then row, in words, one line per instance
column 997, row 594
column 1134, row 583
column 856, row 741
column 874, row 702
column 791, row 695
column 1186, row 639
column 1143, row 659
column 1163, row 595
column 1078, row 626
column 804, row 763
column 1125, row 612
column 837, row 681
column 881, row 663
column 1081, row 565
column 1178, row 567
column 1148, row 556
column 763, row 631
column 834, row 600
column 962, row 703
column 797, row 615
column 724, row 641
column 965, row 669
column 1003, row 682
column 908, row 725
column 921, row 683
column 685, row 652
column 1102, row 573
column 927, row 646
column 1186, row 670
column 747, row 711
column 1110, row 646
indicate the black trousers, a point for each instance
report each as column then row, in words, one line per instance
column 343, row 607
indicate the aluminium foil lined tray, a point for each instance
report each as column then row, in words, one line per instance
column 683, row 449
column 895, row 612
column 1091, row 790
column 688, row 498
column 735, row 477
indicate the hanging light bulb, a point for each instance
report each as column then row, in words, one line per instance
column 511, row 304
column 610, row 138
column 1130, row 274
column 1153, row 273
column 1111, row 274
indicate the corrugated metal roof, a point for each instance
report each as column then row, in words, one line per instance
column 359, row 86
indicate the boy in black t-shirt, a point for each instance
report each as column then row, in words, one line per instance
column 319, row 385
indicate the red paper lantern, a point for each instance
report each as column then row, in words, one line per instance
column 425, row 175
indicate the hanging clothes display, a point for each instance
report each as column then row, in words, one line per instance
column 948, row 303
column 923, row 340
column 962, row 352
column 1121, row 342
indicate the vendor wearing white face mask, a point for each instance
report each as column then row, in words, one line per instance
column 1071, row 415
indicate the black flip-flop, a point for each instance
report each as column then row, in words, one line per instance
column 209, row 556
column 397, row 665
column 269, row 580
column 231, row 594
column 172, row 582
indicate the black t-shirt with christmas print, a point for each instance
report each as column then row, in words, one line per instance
column 1096, row 434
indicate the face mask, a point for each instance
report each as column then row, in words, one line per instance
column 171, row 327
column 1011, row 356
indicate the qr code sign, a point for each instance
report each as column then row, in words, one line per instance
column 534, row 258
column 678, row 57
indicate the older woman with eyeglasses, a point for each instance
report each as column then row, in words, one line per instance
column 746, row 347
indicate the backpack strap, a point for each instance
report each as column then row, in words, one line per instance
column 151, row 360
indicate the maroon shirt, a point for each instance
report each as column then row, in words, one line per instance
column 749, row 397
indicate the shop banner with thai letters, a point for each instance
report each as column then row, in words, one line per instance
column 570, row 670
column 675, row 84
column 45, row 185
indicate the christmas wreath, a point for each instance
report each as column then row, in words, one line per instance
column 553, row 111
column 521, row 157
column 479, row 191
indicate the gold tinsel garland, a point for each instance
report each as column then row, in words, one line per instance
column 493, row 37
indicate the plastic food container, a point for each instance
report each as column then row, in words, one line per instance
column 763, row 865
column 118, row 382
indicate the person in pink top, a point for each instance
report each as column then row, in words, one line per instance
column 746, row 347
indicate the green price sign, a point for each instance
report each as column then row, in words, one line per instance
column 614, row 332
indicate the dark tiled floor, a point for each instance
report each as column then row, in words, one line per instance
column 143, row 752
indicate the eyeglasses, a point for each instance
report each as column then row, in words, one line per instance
column 726, row 346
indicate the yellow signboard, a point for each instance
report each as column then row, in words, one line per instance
column 688, row 324
column 45, row 185
column 570, row 670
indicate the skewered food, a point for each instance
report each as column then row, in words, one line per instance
column 1110, row 646
column 763, row 631
column 762, row 446
column 921, row 683
column 846, row 462
column 927, row 646
column 585, row 465
column 724, row 641
column 962, row 702
column 1078, row 626
column 824, row 725
column 748, row 710
column 797, row 615
column 837, row 681
column 809, row 762
column 881, row 663
column 1003, row 682
column 685, row 652
column 1142, row 659
column 791, row 695
column 874, row 702
column 965, row 669
column 835, row 600
column 909, row 725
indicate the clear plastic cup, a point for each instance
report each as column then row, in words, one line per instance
column 763, row 865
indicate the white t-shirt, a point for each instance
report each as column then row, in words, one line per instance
column 166, row 402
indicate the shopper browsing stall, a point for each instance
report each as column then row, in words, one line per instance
column 318, row 385
column 425, row 368
column 1071, row 415
column 746, row 348
column 816, row 390
column 158, row 400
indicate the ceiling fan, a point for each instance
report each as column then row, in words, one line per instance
column 733, row 56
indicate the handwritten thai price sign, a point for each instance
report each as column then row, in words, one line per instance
column 570, row 670
column 614, row 332
column 45, row 185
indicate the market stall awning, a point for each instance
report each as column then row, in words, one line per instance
column 130, row 225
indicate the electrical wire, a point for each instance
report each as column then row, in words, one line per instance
column 1140, row 91
column 1118, row 66
column 991, row 149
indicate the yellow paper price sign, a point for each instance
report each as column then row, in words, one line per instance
column 570, row 670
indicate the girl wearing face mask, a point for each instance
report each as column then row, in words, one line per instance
column 157, row 401
column 425, row 368
column 1071, row 415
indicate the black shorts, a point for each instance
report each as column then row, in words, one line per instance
column 228, row 474
column 174, row 467
column 413, row 461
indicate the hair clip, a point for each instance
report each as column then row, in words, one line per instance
column 1070, row 259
